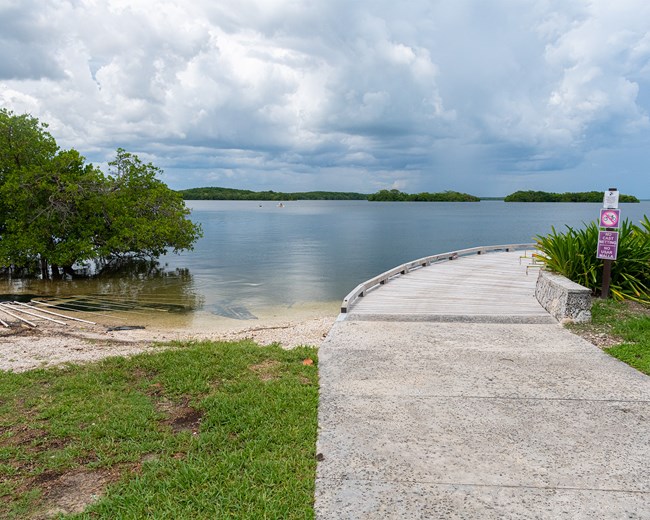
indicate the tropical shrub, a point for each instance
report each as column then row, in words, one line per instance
column 56, row 211
column 573, row 254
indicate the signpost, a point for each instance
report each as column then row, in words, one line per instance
column 610, row 217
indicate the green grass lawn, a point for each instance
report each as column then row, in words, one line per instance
column 632, row 325
column 204, row 430
column 628, row 324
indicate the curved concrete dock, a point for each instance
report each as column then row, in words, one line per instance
column 435, row 407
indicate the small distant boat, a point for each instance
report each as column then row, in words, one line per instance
column 280, row 205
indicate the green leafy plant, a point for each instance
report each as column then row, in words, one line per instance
column 573, row 254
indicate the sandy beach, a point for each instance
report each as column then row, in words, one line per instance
column 23, row 347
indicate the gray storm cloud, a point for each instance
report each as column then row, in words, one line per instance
column 294, row 95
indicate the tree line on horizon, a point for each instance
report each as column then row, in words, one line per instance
column 398, row 196
column 218, row 193
column 582, row 196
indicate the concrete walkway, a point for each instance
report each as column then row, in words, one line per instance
column 464, row 418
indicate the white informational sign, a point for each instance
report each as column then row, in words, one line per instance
column 610, row 201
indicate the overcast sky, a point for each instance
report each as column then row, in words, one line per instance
column 481, row 96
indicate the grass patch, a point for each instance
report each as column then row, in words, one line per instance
column 624, row 328
column 206, row 430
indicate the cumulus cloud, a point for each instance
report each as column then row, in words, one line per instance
column 291, row 94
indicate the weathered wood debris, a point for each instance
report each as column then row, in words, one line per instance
column 30, row 314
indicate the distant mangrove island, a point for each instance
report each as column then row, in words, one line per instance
column 382, row 195
column 398, row 196
column 217, row 193
column 233, row 194
column 583, row 196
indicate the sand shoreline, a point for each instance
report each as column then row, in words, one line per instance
column 25, row 348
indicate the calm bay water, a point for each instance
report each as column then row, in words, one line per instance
column 256, row 258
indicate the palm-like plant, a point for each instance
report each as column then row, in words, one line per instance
column 573, row 254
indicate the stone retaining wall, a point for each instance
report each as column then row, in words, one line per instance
column 562, row 298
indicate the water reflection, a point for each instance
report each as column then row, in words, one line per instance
column 121, row 291
column 301, row 260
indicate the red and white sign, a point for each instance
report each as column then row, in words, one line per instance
column 610, row 218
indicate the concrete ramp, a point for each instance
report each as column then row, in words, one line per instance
column 490, row 419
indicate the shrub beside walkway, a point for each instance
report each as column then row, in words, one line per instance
column 456, row 417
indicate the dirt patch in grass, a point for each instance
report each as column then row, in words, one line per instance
column 599, row 331
column 70, row 492
column 20, row 435
column 31, row 442
column 600, row 337
column 61, row 492
column 180, row 417
column 266, row 371
column 638, row 309
column 599, row 334
column 186, row 419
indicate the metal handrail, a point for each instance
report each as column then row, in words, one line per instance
column 360, row 290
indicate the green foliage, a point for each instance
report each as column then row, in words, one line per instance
column 142, row 216
column 216, row 193
column 51, row 212
column 388, row 196
column 204, row 430
column 24, row 142
column 398, row 196
column 57, row 211
column 543, row 196
column 573, row 254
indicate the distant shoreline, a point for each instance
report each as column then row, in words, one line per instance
column 219, row 193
